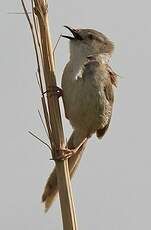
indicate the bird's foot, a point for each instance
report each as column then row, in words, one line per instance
column 54, row 91
column 65, row 153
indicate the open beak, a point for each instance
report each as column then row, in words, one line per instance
column 75, row 33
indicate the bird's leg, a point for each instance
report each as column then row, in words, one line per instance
column 54, row 91
column 65, row 153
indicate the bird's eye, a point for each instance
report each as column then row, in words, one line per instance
column 90, row 36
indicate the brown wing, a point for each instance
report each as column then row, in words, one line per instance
column 108, row 90
column 112, row 74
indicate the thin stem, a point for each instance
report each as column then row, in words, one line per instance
column 22, row 13
column 58, row 40
column 43, row 123
column 35, row 136
column 35, row 44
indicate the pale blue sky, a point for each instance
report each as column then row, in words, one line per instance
column 112, row 186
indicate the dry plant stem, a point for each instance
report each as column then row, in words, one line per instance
column 43, row 48
column 43, row 123
column 35, row 136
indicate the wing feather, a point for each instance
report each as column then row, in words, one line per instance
column 109, row 94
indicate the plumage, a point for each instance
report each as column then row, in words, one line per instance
column 94, row 84
column 88, row 97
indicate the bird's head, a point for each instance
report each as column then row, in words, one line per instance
column 85, row 42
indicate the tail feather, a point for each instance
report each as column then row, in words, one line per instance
column 51, row 189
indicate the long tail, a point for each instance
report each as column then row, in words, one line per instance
column 51, row 188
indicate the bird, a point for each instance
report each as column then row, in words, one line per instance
column 88, row 95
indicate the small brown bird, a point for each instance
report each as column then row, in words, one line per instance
column 87, row 84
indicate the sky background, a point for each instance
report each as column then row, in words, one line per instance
column 112, row 186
